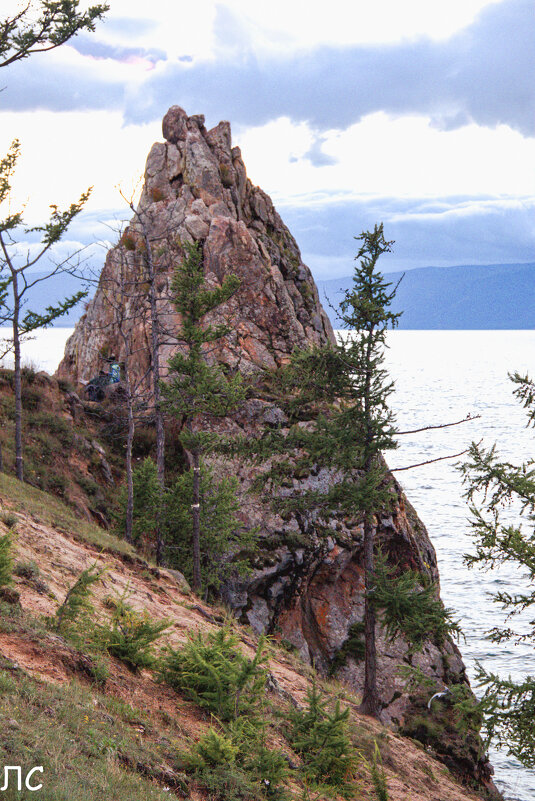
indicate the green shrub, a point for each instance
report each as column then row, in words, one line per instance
column 147, row 502
column 6, row 560
column 9, row 519
column 225, row 783
column 31, row 398
column 89, row 485
column 410, row 609
column 77, row 606
column 226, row 547
column 56, row 483
column 214, row 749
column 30, row 573
column 212, row 671
column 131, row 637
column 322, row 739
column 26, row 570
column 378, row 775
column 53, row 423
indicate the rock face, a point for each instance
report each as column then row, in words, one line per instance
column 308, row 584
column 196, row 189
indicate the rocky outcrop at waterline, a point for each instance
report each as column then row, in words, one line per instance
column 307, row 586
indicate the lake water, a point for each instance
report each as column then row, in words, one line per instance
column 441, row 376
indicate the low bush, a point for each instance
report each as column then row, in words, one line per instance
column 321, row 737
column 131, row 636
column 76, row 607
column 6, row 560
column 9, row 519
column 211, row 670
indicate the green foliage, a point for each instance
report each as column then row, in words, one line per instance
column 198, row 388
column 212, row 672
column 131, row 636
column 224, row 783
column 468, row 712
column 353, row 647
column 378, row 775
column 195, row 386
column 225, row 545
column 410, row 606
column 321, row 738
column 76, row 607
column 6, row 560
column 9, row 519
column 214, row 749
column 147, row 502
column 502, row 504
column 36, row 30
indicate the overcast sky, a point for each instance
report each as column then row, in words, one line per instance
column 419, row 114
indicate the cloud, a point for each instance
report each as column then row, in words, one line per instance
column 89, row 46
column 317, row 157
column 482, row 74
column 456, row 230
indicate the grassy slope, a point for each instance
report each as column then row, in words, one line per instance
column 121, row 740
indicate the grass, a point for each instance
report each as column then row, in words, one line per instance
column 88, row 749
column 50, row 511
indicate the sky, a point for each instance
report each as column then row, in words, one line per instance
column 417, row 114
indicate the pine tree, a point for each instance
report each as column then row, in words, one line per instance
column 321, row 736
column 34, row 28
column 198, row 388
column 39, row 29
column 17, row 279
column 345, row 388
column 498, row 489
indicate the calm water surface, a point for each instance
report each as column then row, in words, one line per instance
column 441, row 376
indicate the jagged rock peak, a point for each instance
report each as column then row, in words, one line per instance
column 196, row 189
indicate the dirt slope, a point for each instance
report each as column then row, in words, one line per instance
column 412, row 773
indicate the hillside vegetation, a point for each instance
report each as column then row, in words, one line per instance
column 102, row 730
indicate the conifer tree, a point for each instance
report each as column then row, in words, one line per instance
column 346, row 387
column 42, row 26
column 198, row 388
column 365, row 312
column 17, row 279
column 502, row 503
column 37, row 27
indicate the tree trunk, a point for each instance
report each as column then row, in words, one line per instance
column 156, row 392
column 196, row 521
column 129, row 441
column 19, row 470
column 370, row 696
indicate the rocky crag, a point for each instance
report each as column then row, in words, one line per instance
column 307, row 587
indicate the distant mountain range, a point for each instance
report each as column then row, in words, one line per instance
column 500, row 296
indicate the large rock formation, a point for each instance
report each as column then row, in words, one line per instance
column 308, row 584
column 196, row 189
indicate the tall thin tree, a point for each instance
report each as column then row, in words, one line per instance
column 17, row 279
column 197, row 386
